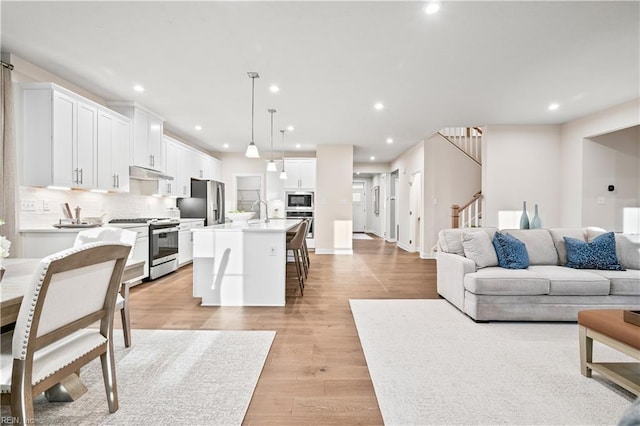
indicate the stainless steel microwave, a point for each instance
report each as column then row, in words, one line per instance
column 299, row 200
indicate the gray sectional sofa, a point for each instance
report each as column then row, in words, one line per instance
column 546, row 290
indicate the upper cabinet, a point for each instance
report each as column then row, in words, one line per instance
column 61, row 131
column 113, row 152
column 184, row 163
column 146, row 146
column 301, row 173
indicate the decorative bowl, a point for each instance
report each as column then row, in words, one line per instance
column 241, row 217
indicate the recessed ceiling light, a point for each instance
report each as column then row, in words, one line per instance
column 297, row 145
column 274, row 89
column 378, row 106
column 226, row 145
column 553, row 107
column 290, row 128
column 372, row 158
column 138, row 88
column 389, row 140
column 357, row 173
column 198, row 127
column 432, row 8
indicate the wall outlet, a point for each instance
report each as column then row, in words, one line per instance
column 28, row 205
column 272, row 251
column 45, row 206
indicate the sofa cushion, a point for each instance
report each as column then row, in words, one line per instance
column 450, row 240
column 478, row 247
column 539, row 244
column 558, row 234
column 511, row 252
column 622, row 282
column 597, row 254
column 627, row 247
column 568, row 281
column 507, row 282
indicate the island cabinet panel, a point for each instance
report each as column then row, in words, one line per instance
column 241, row 265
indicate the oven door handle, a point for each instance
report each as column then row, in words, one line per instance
column 164, row 231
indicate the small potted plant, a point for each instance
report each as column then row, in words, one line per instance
column 4, row 250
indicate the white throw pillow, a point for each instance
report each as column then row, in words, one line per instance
column 479, row 248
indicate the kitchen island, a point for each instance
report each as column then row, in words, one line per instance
column 241, row 264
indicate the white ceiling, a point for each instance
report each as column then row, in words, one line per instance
column 471, row 64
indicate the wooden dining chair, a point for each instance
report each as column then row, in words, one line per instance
column 113, row 234
column 296, row 246
column 52, row 339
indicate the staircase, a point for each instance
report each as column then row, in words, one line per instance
column 469, row 141
column 469, row 215
column 466, row 139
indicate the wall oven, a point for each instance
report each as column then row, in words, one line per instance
column 299, row 200
column 302, row 215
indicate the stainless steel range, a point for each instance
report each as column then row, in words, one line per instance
column 163, row 244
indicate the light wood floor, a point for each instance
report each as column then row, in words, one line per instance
column 316, row 372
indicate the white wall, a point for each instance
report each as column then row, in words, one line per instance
column 573, row 134
column 521, row 163
column 334, row 211
column 450, row 178
column 610, row 159
column 407, row 164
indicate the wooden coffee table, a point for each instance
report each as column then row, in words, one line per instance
column 610, row 328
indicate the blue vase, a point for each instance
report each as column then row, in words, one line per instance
column 524, row 219
column 536, row 222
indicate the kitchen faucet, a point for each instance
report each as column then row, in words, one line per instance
column 266, row 208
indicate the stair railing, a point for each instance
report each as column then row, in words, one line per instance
column 469, row 214
column 466, row 139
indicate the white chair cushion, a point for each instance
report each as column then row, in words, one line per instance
column 51, row 358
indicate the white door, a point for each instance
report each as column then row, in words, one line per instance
column 359, row 207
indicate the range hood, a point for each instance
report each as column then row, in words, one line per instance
column 142, row 173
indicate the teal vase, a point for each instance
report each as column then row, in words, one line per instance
column 524, row 219
column 536, row 222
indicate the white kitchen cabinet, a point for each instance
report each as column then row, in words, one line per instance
column 113, row 152
column 170, row 187
column 301, row 173
column 185, row 240
column 59, row 136
column 146, row 145
column 216, row 169
column 141, row 249
column 185, row 170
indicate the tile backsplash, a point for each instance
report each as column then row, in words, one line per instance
column 136, row 203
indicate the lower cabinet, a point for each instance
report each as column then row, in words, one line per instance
column 185, row 241
column 39, row 243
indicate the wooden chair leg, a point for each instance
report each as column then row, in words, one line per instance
column 21, row 397
column 125, row 316
column 109, row 376
column 298, row 270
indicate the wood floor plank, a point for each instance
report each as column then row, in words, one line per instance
column 316, row 372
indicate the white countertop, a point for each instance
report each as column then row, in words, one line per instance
column 271, row 226
column 184, row 220
column 75, row 230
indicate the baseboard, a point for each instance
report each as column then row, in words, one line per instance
column 334, row 251
column 427, row 255
column 404, row 247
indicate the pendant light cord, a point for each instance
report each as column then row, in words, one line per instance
column 253, row 82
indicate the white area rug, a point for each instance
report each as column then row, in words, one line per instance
column 361, row 237
column 431, row 364
column 170, row 377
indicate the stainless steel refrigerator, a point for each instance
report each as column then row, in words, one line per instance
column 206, row 201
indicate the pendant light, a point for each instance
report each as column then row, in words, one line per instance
column 252, row 149
column 283, row 174
column 271, row 165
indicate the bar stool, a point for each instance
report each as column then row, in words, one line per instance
column 296, row 245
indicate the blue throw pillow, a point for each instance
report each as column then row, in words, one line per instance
column 598, row 254
column 512, row 253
